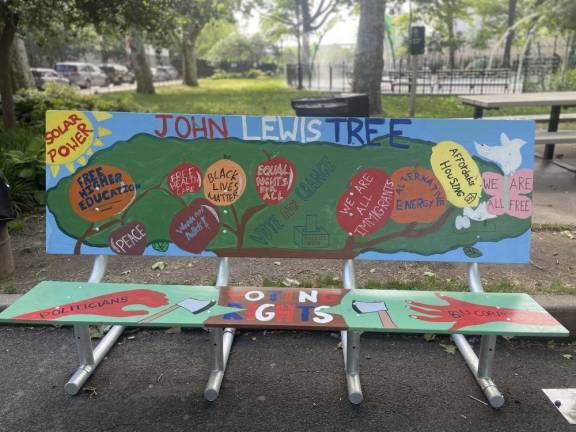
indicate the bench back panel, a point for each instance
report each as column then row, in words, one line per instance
column 394, row 189
column 279, row 308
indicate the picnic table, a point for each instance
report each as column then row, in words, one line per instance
column 555, row 100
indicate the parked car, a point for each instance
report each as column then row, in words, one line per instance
column 43, row 75
column 84, row 75
column 159, row 74
column 117, row 74
column 169, row 72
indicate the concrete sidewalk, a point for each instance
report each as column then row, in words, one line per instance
column 276, row 381
column 555, row 188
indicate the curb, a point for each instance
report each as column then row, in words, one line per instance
column 7, row 299
column 561, row 307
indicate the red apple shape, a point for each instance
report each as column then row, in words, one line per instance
column 186, row 177
column 367, row 204
column 194, row 227
column 129, row 239
column 274, row 179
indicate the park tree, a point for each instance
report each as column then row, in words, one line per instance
column 510, row 32
column 443, row 15
column 141, row 20
column 213, row 33
column 368, row 58
column 18, row 16
column 239, row 48
column 21, row 74
column 189, row 18
column 301, row 19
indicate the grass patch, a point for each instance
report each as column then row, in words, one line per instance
column 234, row 96
column 271, row 96
column 432, row 283
column 537, row 227
column 10, row 289
column 428, row 283
column 16, row 225
column 559, row 287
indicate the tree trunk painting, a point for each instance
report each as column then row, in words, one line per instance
column 510, row 35
column 6, row 90
column 368, row 59
column 144, row 82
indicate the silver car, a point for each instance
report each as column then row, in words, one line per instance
column 84, row 75
column 43, row 76
column 169, row 72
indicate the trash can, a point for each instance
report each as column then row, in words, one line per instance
column 7, row 214
column 320, row 107
column 343, row 105
column 358, row 104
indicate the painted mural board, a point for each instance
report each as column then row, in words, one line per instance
column 283, row 308
column 374, row 188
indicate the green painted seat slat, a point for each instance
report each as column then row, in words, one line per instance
column 507, row 314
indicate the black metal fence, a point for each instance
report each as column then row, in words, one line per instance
column 452, row 82
column 332, row 77
column 338, row 77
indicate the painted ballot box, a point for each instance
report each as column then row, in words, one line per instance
column 373, row 188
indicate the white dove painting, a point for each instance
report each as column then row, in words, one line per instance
column 507, row 155
column 478, row 214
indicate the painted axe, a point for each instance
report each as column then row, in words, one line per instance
column 363, row 307
column 190, row 304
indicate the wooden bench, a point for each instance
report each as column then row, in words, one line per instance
column 538, row 118
column 559, row 137
column 239, row 186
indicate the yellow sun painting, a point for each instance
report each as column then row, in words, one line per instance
column 69, row 138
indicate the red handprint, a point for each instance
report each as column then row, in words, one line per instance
column 465, row 314
column 108, row 305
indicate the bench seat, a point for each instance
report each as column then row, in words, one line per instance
column 560, row 137
column 538, row 118
column 68, row 303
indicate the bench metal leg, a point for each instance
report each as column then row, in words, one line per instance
column 220, row 343
column 552, row 127
column 91, row 357
column 351, row 345
column 481, row 367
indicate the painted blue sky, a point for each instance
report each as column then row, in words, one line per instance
column 465, row 132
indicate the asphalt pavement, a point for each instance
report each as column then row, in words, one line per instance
column 276, row 381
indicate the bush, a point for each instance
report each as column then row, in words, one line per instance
column 563, row 80
column 251, row 74
column 32, row 104
column 22, row 162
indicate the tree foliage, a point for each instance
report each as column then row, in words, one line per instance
column 443, row 15
column 189, row 18
column 239, row 48
column 299, row 18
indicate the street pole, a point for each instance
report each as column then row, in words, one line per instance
column 417, row 47
column 413, row 83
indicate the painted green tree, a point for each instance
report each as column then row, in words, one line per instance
column 252, row 227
